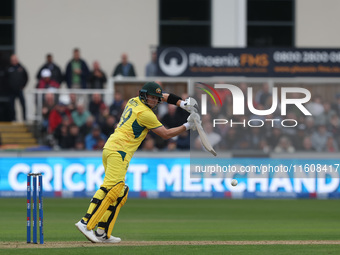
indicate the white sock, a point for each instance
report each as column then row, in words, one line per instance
column 100, row 231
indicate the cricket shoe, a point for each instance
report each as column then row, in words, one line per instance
column 104, row 239
column 81, row 226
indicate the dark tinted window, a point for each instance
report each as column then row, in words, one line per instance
column 185, row 36
column 185, row 23
column 274, row 10
column 185, row 10
column 6, row 9
column 6, row 32
column 7, row 25
column 267, row 36
column 270, row 23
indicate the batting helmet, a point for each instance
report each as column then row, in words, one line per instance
column 150, row 88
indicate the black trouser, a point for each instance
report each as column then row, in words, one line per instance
column 21, row 97
column 5, row 108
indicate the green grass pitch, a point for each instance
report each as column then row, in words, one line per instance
column 183, row 220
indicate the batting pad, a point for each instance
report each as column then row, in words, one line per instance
column 111, row 196
column 121, row 201
column 95, row 203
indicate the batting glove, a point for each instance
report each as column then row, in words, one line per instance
column 194, row 117
column 190, row 125
column 189, row 105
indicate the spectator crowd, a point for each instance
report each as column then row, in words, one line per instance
column 319, row 132
column 14, row 78
column 95, row 121
column 72, row 122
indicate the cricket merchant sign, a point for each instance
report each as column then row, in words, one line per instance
column 251, row 62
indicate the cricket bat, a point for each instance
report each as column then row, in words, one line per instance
column 204, row 139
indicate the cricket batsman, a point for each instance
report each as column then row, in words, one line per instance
column 136, row 121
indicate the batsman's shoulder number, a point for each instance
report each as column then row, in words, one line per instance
column 125, row 115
